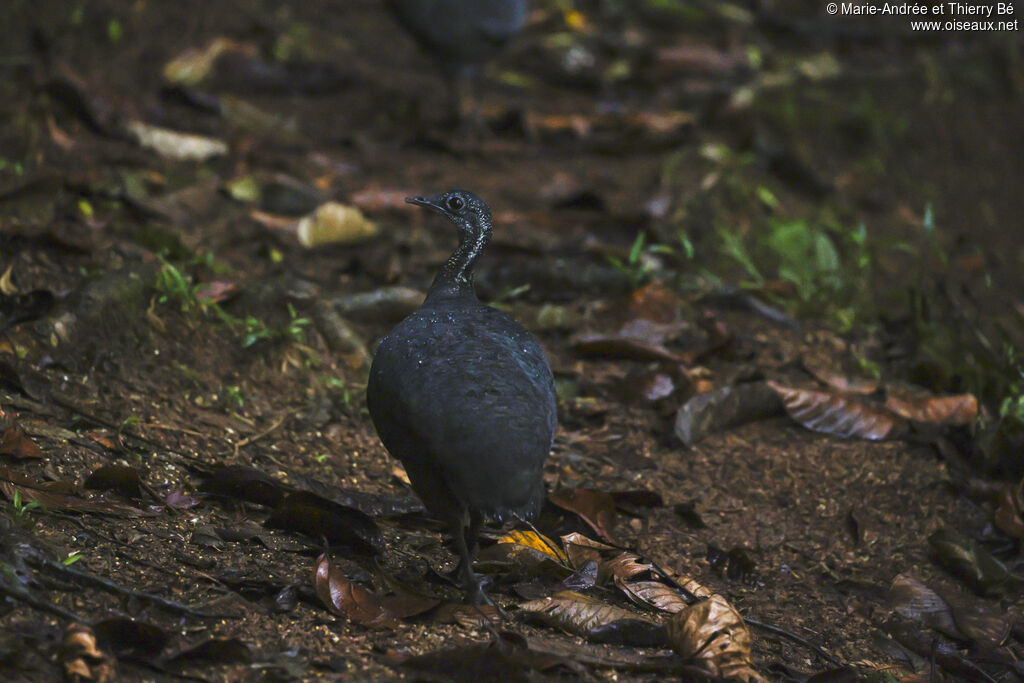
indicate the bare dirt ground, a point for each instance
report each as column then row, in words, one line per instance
column 161, row 316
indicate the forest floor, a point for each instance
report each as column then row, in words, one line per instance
column 176, row 364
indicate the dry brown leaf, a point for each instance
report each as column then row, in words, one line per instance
column 581, row 614
column 838, row 414
column 693, row 586
column 714, row 634
column 580, row 550
column 60, row 496
column 656, row 302
column 347, row 598
column 914, row 600
column 596, row 508
column 621, row 345
column 17, row 444
column 655, row 594
column 82, row 659
column 967, row 620
column 217, row 291
column 513, row 559
column 958, row 409
column 1008, row 513
column 532, row 539
column 622, row 567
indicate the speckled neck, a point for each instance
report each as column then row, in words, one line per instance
column 456, row 275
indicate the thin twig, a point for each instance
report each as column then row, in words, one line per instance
column 256, row 437
column 794, row 638
column 117, row 589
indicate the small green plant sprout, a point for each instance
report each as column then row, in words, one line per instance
column 173, row 286
column 296, row 329
column 72, row 558
column 15, row 167
column 235, row 394
column 639, row 265
column 114, row 31
column 21, row 507
column 256, row 330
column 332, row 382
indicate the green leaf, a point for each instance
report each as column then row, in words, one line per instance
column 637, row 249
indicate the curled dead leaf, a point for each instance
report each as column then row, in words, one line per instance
column 959, row 409
column 713, row 633
column 595, row 620
column 334, row 223
column 838, row 414
column 82, row 659
column 966, row 621
column 622, row 567
column 347, row 598
column 656, row 594
column 580, row 550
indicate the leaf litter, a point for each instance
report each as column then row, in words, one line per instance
column 79, row 356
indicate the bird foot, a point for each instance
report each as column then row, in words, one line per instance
column 476, row 596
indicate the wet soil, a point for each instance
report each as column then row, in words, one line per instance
column 125, row 371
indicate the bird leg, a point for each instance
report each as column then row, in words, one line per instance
column 468, row 544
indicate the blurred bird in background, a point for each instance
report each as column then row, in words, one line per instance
column 462, row 36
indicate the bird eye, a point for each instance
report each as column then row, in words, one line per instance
column 455, row 203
